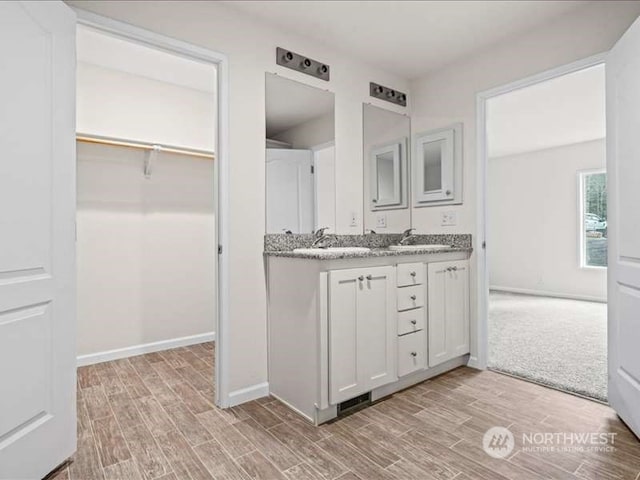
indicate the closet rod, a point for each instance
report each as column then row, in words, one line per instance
column 81, row 137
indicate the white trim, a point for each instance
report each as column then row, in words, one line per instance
column 118, row 353
column 154, row 40
column 542, row 293
column 247, row 394
column 479, row 346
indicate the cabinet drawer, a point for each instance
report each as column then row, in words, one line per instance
column 411, row 353
column 410, row 321
column 410, row 274
column 410, row 297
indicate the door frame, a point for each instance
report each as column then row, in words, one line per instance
column 480, row 347
column 221, row 170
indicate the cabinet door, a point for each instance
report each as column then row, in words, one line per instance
column 448, row 287
column 345, row 381
column 457, row 305
column 437, row 312
column 377, row 330
column 362, row 331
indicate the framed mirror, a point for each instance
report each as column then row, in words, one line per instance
column 300, row 157
column 386, row 172
column 437, row 166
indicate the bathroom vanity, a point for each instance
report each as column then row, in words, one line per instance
column 351, row 326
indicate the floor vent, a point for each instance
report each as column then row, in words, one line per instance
column 353, row 404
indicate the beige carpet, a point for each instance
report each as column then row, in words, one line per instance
column 556, row 342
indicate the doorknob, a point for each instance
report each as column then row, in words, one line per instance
column 413, row 297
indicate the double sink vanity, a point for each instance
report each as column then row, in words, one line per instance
column 366, row 317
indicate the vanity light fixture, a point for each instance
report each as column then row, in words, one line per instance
column 388, row 94
column 300, row 63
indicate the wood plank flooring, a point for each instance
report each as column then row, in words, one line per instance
column 152, row 417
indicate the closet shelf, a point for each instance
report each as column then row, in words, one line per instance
column 120, row 142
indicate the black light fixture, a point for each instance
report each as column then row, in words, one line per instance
column 388, row 94
column 300, row 63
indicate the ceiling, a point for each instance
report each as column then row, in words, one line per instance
column 290, row 103
column 408, row 38
column 107, row 51
column 562, row 111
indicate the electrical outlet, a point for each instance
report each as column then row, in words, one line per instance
column 448, row 219
column 354, row 219
column 381, row 220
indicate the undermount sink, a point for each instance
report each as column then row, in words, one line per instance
column 417, row 247
column 332, row 250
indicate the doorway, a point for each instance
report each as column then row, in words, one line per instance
column 546, row 230
column 174, row 154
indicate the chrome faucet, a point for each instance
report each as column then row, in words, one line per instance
column 320, row 239
column 406, row 235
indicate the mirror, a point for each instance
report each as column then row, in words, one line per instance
column 386, row 172
column 300, row 157
column 437, row 161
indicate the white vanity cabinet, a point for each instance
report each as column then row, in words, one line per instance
column 448, row 311
column 362, row 331
column 345, row 328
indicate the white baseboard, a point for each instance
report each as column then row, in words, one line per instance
column 541, row 293
column 134, row 350
column 249, row 393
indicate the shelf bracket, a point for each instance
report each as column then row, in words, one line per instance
column 150, row 159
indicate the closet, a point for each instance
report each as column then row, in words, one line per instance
column 145, row 198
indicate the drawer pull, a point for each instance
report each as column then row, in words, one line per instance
column 369, row 277
column 413, row 297
column 413, row 274
column 361, row 278
column 413, row 322
column 414, row 354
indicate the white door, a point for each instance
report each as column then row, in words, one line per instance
column 345, row 379
column 437, row 312
column 362, row 331
column 290, row 191
column 623, row 170
column 377, row 326
column 457, row 301
column 37, row 239
column 448, row 301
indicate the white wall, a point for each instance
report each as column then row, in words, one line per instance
column 449, row 96
column 250, row 47
column 145, row 248
column 534, row 225
column 123, row 105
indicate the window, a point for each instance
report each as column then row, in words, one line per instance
column 593, row 218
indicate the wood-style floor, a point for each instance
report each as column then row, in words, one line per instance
column 151, row 417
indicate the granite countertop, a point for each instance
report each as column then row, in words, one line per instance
column 280, row 245
column 374, row 252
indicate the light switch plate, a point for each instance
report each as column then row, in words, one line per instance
column 354, row 219
column 381, row 220
column 449, row 219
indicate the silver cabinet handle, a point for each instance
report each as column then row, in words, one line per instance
column 361, row 278
column 448, row 269
column 414, row 354
column 369, row 277
column 413, row 322
column 413, row 274
column 413, row 297
column 455, row 269
column 448, row 192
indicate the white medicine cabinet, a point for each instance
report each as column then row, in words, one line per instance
column 437, row 166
